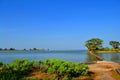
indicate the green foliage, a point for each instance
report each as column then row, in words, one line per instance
column 15, row 70
column 106, row 49
column 21, row 66
column 114, row 44
column 5, row 49
column 34, row 49
column 94, row 44
column 12, row 49
column 64, row 70
column 5, row 75
column 24, row 49
column 66, row 77
column 1, row 49
column 1, row 64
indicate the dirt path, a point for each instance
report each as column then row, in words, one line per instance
column 103, row 70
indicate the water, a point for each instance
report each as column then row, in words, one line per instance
column 111, row 56
column 75, row 56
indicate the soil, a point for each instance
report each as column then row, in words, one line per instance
column 101, row 70
column 39, row 75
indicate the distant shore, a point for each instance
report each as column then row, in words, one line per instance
column 23, row 51
column 39, row 50
column 98, row 51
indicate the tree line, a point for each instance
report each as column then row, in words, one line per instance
column 96, row 44
column 31, row 49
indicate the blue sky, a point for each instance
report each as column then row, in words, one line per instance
column 58, row 24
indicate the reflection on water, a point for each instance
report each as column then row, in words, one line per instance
column 111, row 56
column 90, row 57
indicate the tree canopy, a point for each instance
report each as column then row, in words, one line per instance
column 12, row 49
column 114, row 44
column 94, row 44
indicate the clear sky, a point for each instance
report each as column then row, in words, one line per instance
column 58, row 24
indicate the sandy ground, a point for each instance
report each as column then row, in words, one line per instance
column 103, row 70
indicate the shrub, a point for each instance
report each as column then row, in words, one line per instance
column 64, row 70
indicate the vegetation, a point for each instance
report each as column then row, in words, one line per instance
column 94, row 44
column 27, row 50
column 34, row 49
column 11, row 49
column 115, row 44
column 1, row 49
column 16, row 70
column 62, row 70
column 5, row 49
column 24, row 49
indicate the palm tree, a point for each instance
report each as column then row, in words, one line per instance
column 93, row 44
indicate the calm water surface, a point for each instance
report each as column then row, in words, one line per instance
column 111, row 56
column 76, row 56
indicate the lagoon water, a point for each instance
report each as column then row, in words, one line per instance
column 75, row 56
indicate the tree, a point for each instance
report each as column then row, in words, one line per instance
column 94, row 44
column 5, row 49
column 12, row 49
column 114, row 44
column 34, row 49
column 24, row 49
column 1, row 49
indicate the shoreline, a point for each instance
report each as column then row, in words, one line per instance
column 98, row 51
column 40, row 50
column 107, row 51
column 24, row 51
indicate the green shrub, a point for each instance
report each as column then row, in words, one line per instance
column 1, row 64
column 63, row 70
column 15, row 70
column 5, row 75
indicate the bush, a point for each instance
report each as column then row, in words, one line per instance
column 1, row 64
column 64, row 70
column 15, row 70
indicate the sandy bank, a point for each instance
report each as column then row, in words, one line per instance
column 103, row 70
